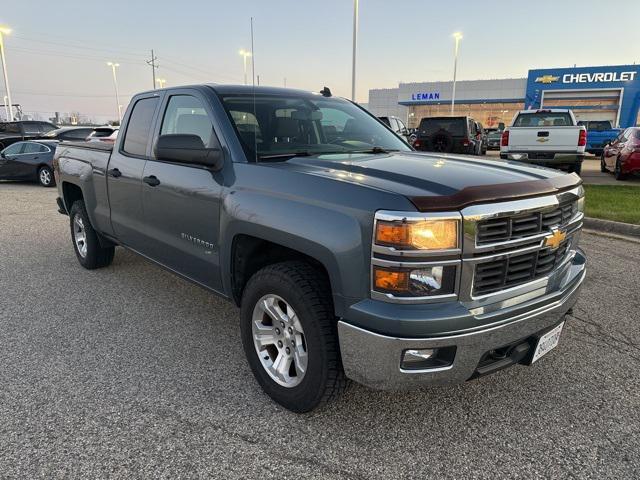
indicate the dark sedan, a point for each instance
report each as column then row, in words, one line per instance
column 30, row 161
column 74, row 134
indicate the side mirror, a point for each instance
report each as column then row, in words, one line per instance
column 404, row 131
column 187, row 148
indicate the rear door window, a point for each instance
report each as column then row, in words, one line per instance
column 14, row 149
column 139, row 127
column 32, row 147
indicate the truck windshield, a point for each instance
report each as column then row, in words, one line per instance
column 543, row 119
column 280, row 125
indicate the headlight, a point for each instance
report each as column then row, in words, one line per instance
column 429, row 234
column 418, row 282
column 581, row 204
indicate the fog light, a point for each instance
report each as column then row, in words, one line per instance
column 427, row 358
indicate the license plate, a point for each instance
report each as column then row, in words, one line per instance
column 547, row 342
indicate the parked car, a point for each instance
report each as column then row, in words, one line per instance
column 103, row 134
column 30, row 161
column 493, row 140
column 450, row 135
column 548, row 137
column 599, row 133
column 12, row 132
column 69, row 134
column 622, row 155
column 350, row 257
column 397, row 126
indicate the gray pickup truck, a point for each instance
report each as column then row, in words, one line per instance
column 350, row 255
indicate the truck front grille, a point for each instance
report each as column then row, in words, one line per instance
column 502, row 229
column 495, row 275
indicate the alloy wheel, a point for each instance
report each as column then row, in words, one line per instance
column 80, row 236
column 279, row 340
column 45, row 177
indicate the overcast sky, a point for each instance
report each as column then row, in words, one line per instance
column 57, row 52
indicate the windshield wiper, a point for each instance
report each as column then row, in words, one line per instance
column 374, row 150
column 302, row 153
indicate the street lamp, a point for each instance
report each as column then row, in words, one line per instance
column 115, row 84
column 5, row 31
column 161, row 82
column 245, row 54
column 355, row 46
column 457, row 36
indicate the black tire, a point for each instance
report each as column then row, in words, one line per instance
column 307, row 291
column 603, row 166
column 618, row 171
column 95, row 256
column 576, row 168
column 45, row 177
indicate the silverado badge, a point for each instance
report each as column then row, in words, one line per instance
column 554, row 240
column 547, row 79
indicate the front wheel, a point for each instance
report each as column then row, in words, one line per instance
column 91, row 254
column 618, row 171
column 290, row 338
column 603, row 165
column 45, row 177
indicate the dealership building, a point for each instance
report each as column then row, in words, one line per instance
column 593, row 93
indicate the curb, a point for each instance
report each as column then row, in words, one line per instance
column 609, row 226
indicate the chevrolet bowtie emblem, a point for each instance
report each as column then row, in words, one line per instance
column 542, row 139
column 547, row 79
column 554, row 240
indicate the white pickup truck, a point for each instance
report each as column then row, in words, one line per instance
column 549, row 137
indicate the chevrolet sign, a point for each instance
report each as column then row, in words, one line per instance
column 598, row 77
column 547, row 79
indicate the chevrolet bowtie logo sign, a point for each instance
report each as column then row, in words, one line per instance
column 542, row 139
column 547, row 79
column 554, row 240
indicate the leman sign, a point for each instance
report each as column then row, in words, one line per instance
column 598, row 77
column 425, row 96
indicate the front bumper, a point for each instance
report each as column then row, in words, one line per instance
column 373, row 359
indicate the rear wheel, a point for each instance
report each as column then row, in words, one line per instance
column 45, row 177
column 289, row 334
column 90, row 253
column 576, row 168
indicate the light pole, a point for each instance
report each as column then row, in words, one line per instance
column 457, row 36
column 115, row 84
column 5, row 31
column 245, row 54
column 161, row 82
column 355, row 47
column 6, row 108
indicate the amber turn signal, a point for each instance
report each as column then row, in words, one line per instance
column 391, row 280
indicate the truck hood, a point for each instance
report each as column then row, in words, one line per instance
column 436, row 181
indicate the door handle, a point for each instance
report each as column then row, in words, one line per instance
column 152, row 181
column 114, row 172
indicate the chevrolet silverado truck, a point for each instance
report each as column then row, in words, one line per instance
column 350, row 255
column 550, row 138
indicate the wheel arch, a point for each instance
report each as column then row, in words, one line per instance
column 250, row 253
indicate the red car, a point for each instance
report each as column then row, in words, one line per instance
column 622, row 155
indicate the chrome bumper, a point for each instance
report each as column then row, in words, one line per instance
column 374, row 360
column 558, row 158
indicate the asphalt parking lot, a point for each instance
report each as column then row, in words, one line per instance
column 130, row 372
